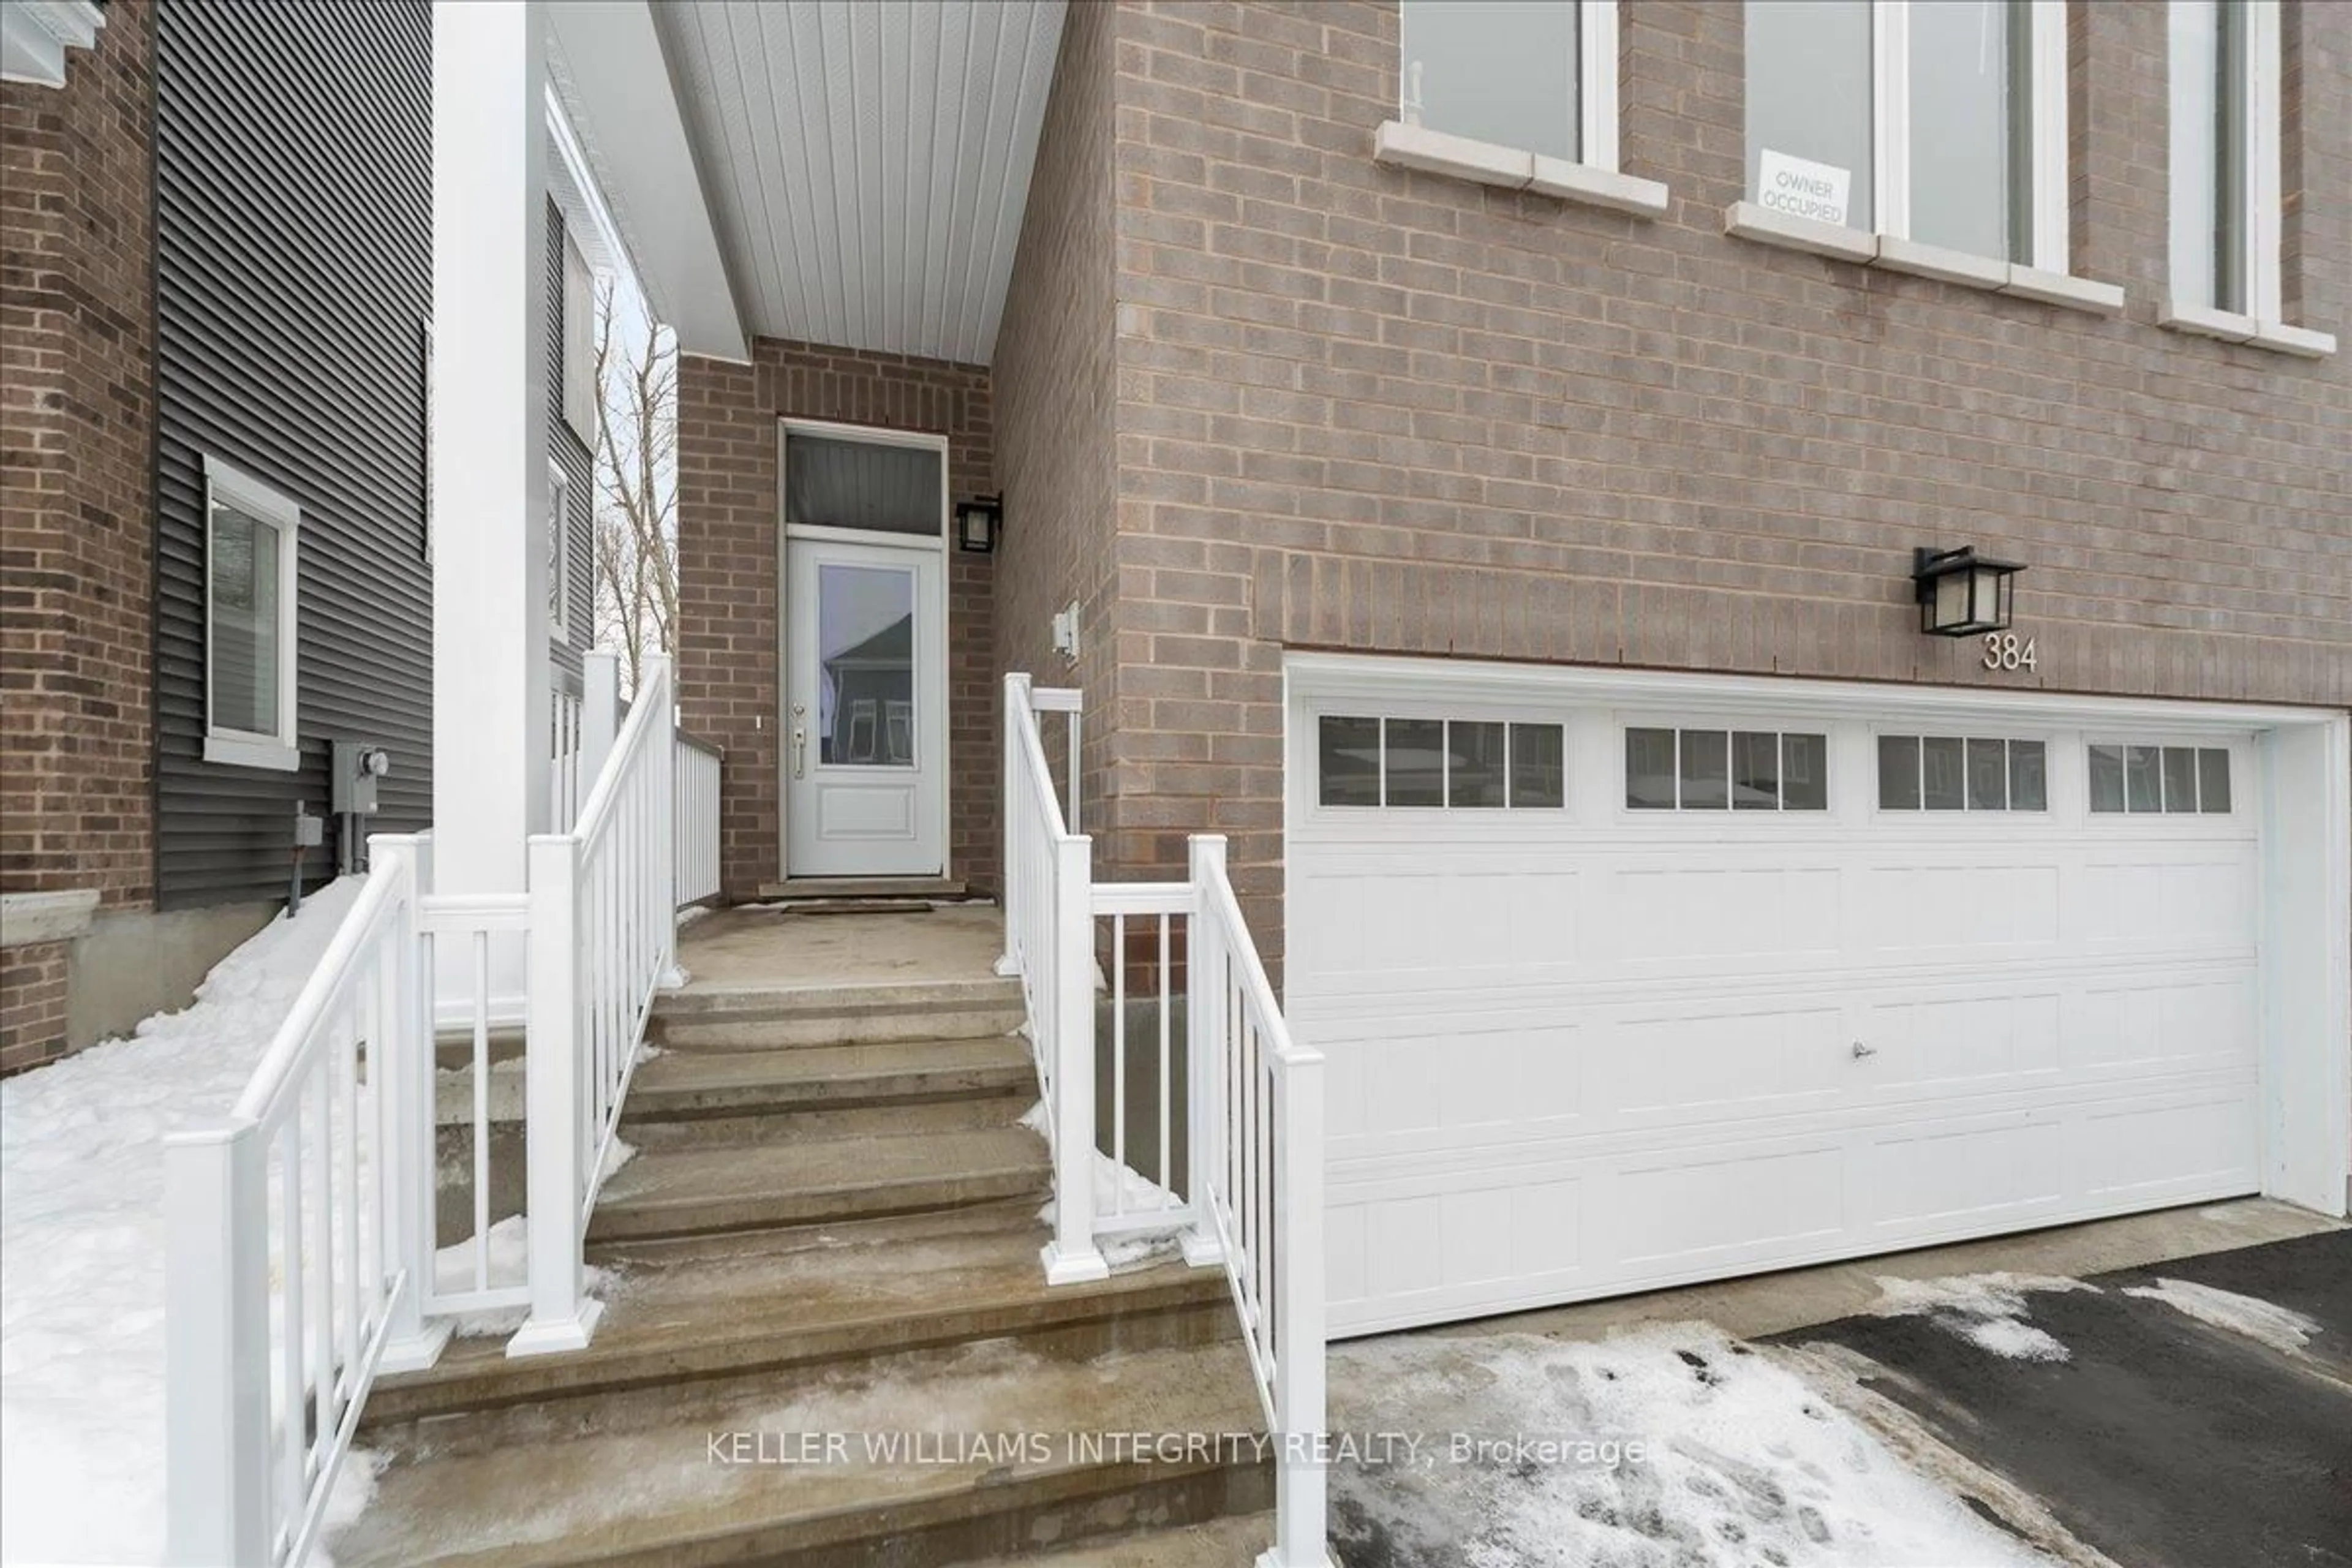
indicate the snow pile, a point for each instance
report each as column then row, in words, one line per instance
column 1987, row 1310
column 82, row 1296
column 455, row 1272
column 2280, row 1327
column 1121, row 1190
column 1670, row 1445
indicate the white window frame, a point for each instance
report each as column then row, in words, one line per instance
column 1592, row 178
column 230, row 486
column 559, row 551
column 2046, row 277
column 2262, row 322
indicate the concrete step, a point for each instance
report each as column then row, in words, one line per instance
column 1233, row 1542
column 767, row 1017
column 772, row 1311
column 1015, row 1457
column 801, row 1093
column 796, row 889
column 689, row 1191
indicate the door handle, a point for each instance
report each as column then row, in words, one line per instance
column 800, row 742
column 1861, row 1050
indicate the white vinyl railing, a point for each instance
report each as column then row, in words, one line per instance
column 292, row 1238
column 302, row 1247
column 1248, row 1193
column 697, row 820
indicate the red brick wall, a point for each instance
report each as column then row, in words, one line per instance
column 76, row 505
column 1367, row 409
column 728, row 579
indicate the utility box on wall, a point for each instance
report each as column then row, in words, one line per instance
column 355, row 767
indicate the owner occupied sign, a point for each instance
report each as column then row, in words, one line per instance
column 1802, row 188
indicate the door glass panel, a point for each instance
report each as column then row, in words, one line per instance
column 865, row 666
column 1473, row 763
column 859, row 484
column 1415, row 753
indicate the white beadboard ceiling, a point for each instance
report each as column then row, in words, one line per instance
column 867, row 160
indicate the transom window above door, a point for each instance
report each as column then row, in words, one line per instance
column 869, row 486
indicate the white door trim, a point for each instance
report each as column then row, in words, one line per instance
column 2304, row 807
column 939, row 729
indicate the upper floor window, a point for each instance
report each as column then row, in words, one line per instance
column 1515, row 93
column 249, row 629
column 1938, row 121
column 558, row 552
column 579, row 342
column 1506, row 71
column 2225, row 155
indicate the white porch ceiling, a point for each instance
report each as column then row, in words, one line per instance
column 867, row 161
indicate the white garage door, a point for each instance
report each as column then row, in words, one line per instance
column 1619, row 996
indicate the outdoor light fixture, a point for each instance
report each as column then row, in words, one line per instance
column 1961, row 594
column 978, row 523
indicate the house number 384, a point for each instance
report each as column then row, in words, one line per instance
column 2002, row 650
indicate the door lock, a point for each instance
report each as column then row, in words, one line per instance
column 800, row 740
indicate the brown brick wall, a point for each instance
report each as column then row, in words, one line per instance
column 1054, row 379
column 728, row 579
column 75, row 506
column 32, row 1005
column 1366, row 409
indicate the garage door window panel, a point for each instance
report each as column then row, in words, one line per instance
column 1719, row 769
column 1431, row 763
column 2149, row 779
column 1412, row 762
column 1348, row 760
column 1538, row 765
column 1953, row 773
column 1475, row 763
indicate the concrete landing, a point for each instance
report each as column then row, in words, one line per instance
column 755, row 945
column 1217, row 1544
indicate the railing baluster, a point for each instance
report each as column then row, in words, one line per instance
column 481, row 1133
column 1118, row 1110
column 1167, row 1085
column 292, row 1448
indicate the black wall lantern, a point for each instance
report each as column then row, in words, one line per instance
column 1961, row 593
column 978, row 523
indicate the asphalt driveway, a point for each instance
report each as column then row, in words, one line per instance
column 2191, row 1413
column 2183, row 1427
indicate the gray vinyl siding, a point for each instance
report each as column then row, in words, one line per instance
column 293, row 172
column 572, row 455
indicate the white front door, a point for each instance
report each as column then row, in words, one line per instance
column 1618, row 995
column 864, row 709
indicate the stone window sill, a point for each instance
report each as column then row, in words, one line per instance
column 26, row 919
column 2232, row 327
column 1749, row 221
column 1404, row 146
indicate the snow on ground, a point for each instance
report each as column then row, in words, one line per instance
column 81, row 1293
column 1121, row 1189
column 1719, row 1457
column 454, row 1270
column 2277, row 1327
column 1987, row 1310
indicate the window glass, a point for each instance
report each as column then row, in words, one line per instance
column 1413, row 756
column 1538, row 771
column 1961, row 118
column 1805, row 772
column 1755, row 771
column 1649, row 769
column 2029, row 777
column 1706, row 771
column 863, row 485
column 1898, row 773
column 2179, row 778
column 1348, row 760
column 558, row 533
column 243, row 569
column 1809, row 91
column 1987, row 775
column 1495, row 70
column 2107, row 767
column 1943, row 772
column 2209, row 88
column 866, row 653
column 2213, row 779
column 1474, row 764
column 2143, row 781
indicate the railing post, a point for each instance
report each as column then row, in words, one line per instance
column 401, row 1067
column 562, row 1317
column 1016, row 712
column 1204, row 1046
column 218, row 1459
column 665, row 829
column 600, row 719
column 1071, row 1257
column 1300, row 1502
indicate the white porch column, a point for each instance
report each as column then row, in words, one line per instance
column 490, row 688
